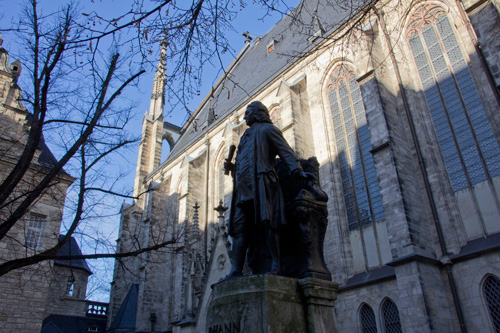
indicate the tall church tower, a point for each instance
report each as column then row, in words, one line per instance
column 152, row 127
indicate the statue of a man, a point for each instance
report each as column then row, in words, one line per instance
column 257, row 198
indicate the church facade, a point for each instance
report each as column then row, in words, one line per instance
column 400, row 104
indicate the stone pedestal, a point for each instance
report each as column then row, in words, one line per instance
column 272, row 304
column 319, row 296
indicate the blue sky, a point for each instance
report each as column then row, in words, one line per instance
column 248, row 19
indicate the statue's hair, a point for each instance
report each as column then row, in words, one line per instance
column 261, row 112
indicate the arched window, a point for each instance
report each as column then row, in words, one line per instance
column 221, row 183
column 469, row 149
column 359, row 179
column 390, row 315
column 367, row 318
column 220, row 176
column 491, row 290
column 275, row 115
column 180, row 204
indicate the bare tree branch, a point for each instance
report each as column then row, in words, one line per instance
column 23, row 262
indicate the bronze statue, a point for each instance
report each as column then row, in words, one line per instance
column 257, row 201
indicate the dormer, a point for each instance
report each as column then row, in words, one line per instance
column 271, row 45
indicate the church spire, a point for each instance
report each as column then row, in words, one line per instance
column 158, row 95
column 149, row 156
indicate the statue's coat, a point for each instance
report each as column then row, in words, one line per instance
column 266, row 142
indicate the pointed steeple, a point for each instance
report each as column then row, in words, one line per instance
column 149, row 156
column 158, row 94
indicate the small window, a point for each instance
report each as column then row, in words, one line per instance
column 275, row 116
column 70, row 286
column 271, row 45
column 220, row 176
column 390, row 313
column 491, row 292
column 34, row 231
column 368, row 323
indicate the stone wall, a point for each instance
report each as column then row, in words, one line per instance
column 22, row 307
column 58, row 300
column 470, row 277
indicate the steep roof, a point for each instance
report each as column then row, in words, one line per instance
column 46, row 158
column 71, row 248
column 126, row 316
column 255, row 67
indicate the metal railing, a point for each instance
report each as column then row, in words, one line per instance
column 97, row 309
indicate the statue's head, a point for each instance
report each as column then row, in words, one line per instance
column 257, row 113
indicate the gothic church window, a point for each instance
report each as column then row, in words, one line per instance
column 221, row 184
column 180, row 208
column 34, row 231
column 172, row 217
column 149, row 198
column 220, row 176
column 469, row 149
column 359, row 179
column 491, row 290
column 390, row 315
column 275, row 116
column 367, row 317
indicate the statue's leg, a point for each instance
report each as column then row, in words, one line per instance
column 273, row 242
column 238, row 253
column 240, row 242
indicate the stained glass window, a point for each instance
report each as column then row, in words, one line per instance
column 275, row 116
column 469, row 149
column 220, row 176
column 221, row 184
column 359, row 179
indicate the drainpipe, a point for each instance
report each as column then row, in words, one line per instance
column 207, row 178
column 447, row 262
